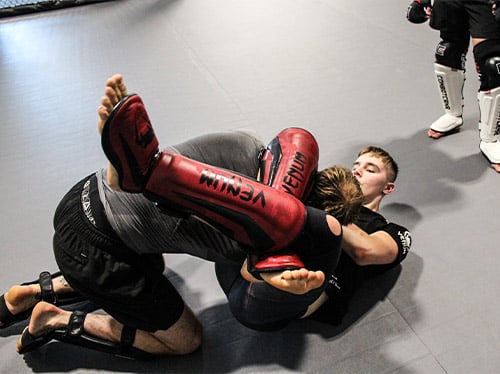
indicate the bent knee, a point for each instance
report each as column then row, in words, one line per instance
column 192, row 341
column 183, row 337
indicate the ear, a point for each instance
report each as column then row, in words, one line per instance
column 389, row 188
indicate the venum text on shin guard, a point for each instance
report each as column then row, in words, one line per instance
column 232, row 185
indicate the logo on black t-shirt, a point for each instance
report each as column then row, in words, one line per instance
column 405, row 239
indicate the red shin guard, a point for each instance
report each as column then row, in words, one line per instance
column 288, row 164
column 251, row 213
column 273, row 263
column 256, row 215
column 129, row 142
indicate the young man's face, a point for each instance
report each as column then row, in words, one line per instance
column 372, row 176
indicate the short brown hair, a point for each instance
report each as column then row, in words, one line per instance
column 337, row 192
column 389, row 163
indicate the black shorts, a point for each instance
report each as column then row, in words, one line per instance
column 460, row 19
column 96, row 263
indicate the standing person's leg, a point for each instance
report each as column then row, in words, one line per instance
column 487, row 55
column 450, row 18
column 485, row 32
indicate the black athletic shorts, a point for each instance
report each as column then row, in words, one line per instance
column 459, row 19
column 96, row 263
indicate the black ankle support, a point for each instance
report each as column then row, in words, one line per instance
column 76, row 335
column 47, row 288
column 128, row 336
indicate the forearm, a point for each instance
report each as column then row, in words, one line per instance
column 377, row 248
column 353, row 243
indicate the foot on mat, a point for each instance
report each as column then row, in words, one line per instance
column 47, row 293
column 74, row 334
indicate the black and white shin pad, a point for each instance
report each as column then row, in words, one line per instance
column 489, row 126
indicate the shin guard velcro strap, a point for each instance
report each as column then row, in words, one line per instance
column 274, row 263
column 48, row 294
column 76, row 335
column 46, row 287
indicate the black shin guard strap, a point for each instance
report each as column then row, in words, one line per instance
column 75, row 324
column 128, row 336
column 47, row 288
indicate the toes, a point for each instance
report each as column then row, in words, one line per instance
column 115, row 88
column 496, row 167
column 113, row 95
column 433, row 134
column 115, row 91
column 122, row 89
column 107, row 103
column 103, row 113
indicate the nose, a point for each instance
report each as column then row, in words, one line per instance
column 356, row 171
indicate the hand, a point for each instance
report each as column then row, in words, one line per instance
column 495, row 5
column 419, row 11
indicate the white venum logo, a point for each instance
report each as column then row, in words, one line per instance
column 405, row 238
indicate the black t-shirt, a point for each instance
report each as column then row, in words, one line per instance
column 348, row 276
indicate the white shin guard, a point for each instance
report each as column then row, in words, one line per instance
column 450, row 84
column 489, row 126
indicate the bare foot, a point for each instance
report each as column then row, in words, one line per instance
column 115, row 91
column 439, row 134
column 297, row 282
column 496, row 167
column 435, row 134
column 46, row 317
column 21, row 298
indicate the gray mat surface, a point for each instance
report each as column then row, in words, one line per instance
column 354, row 73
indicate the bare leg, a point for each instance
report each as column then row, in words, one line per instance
column 182, row 337
column 115, row 91
column 23, row 297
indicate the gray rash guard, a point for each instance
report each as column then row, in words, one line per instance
column 146, row 229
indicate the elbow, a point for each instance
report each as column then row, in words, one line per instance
column 360, row 257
